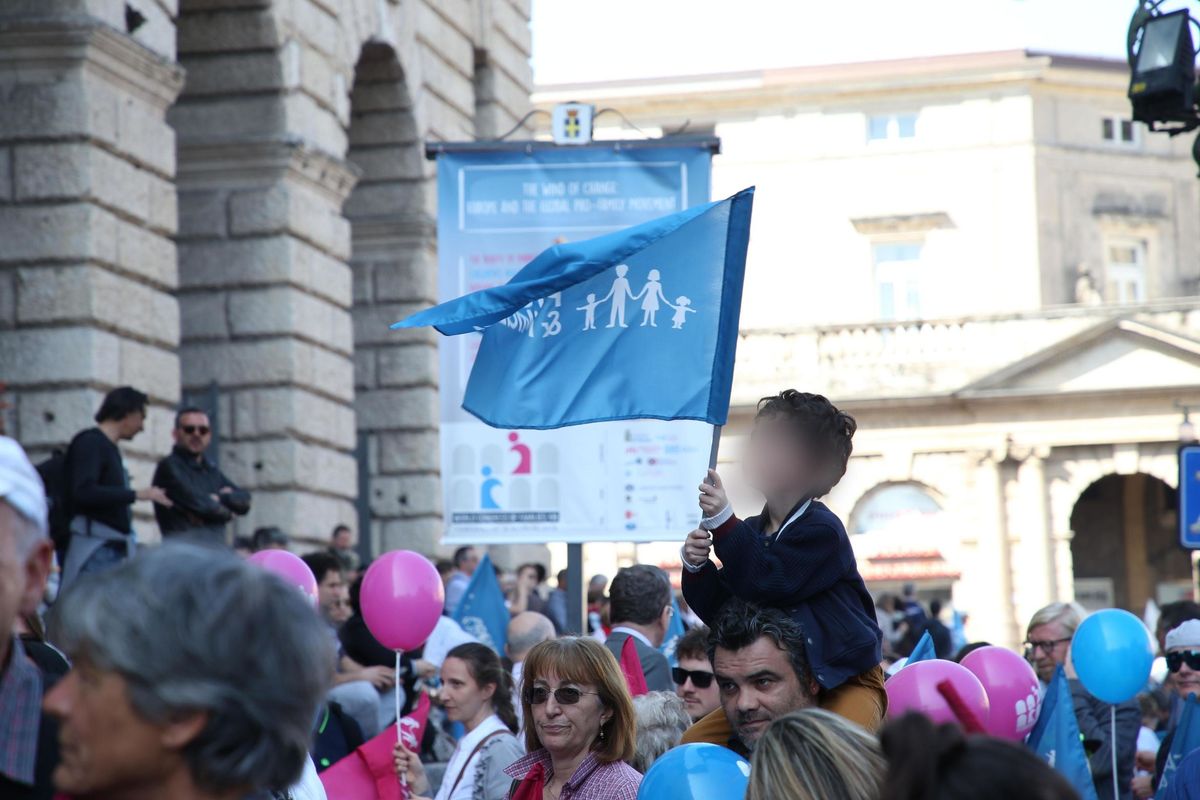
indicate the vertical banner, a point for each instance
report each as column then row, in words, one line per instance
column 632, row 481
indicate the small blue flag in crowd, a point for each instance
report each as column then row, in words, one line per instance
column 637, row 324
column 674, row 632
column 1185, row 740
column 924, row 651
column 482, row 612
column 1056, row 737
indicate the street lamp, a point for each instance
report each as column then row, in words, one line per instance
column 1162, row 63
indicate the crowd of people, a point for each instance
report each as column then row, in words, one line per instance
column 186, row 672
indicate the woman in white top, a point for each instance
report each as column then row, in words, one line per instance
column 477, row 692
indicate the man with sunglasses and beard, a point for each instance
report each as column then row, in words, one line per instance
column 204, row 499
column 1183, row 663
column 694, row 679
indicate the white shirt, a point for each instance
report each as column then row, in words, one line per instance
column 463, row 762
column 641, row 637
column 309, row 787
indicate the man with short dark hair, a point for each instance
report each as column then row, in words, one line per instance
column 466, row 559
column 341, row 545
column 943, row 645
column 96, row 492
column 693, row 677
column 640, row 609
column 203, row 499
column 364, row 693
column 761, row 669
column 28, row 738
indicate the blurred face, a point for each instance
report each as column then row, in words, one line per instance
column 1184, row 663
column 131, row 424
column 1046, row 647
column 757, row 685
column 343, row 539
column 567, row 729
column 193, row 433
column 463, row 698
column 23, row 572
column 332, row 595
column 699, row 702
column 105, row 748
column 469, row 562
column 775, row 462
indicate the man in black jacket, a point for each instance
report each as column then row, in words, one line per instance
column 97, row 494
column 203, row 499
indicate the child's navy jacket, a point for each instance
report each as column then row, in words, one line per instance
column 807, row 569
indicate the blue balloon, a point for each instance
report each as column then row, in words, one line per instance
column 1112, row 653
column 696, row 772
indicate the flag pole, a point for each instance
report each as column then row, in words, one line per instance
column 716, row 445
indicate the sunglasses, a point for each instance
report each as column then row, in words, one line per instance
column 191, row 430
column 563, row 695
column 700, row 678
column 1046, row 646
column 1175, row 661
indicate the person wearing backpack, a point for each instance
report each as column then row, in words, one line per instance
column 96, row 492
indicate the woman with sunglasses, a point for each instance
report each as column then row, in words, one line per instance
column 579, row 725
column 477, row 692
column 1183, row 664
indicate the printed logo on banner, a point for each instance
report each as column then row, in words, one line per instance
column 505, row 483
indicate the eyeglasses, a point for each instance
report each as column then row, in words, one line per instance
column 1175, row 661
column 700, row 678
column 1047, row 646
column 191, row 430
column 563, row 695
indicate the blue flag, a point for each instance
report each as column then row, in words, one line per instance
column 674, row 632
column 482, row 612
column 1185, row 740
column 923, row 651
column 1056, row 737
column 637, row 324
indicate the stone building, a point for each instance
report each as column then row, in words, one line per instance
column 228, row 199
column 996, row 271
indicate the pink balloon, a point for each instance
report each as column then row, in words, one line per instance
column 914, row 688
column 401, row 599
column 290, row 567
column 1012, row 690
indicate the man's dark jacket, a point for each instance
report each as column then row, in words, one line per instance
column 191, row 483
column 97, row 485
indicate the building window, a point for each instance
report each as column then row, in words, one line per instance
column 898, row 279
column 1119, row 130
column 1125, row 270
column 884, row 127
column 894, row 507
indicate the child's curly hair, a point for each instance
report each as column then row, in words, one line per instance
column 824, row 430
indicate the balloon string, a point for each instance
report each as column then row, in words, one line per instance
column 399, row 729
column 1113, row 747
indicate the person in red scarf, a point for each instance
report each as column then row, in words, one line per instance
column 579, row 725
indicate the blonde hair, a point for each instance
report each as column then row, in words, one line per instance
column 1069, row 615
column 585, row 662
column 814, row 754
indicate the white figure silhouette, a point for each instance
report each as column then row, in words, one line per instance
column 650, row 296
column 589, row 309
column 682, row 309
column 618, row 293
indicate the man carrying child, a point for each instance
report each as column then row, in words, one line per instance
column 795, row 556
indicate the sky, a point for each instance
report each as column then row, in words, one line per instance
column 593, row 40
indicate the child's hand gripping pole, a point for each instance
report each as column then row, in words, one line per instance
column 713, row 499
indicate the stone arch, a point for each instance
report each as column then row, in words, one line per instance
column 394, row 264
column 855, row 519
column 1126, row 520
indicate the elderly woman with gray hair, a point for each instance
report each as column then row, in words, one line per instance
column 196, row 677
column 661, row 720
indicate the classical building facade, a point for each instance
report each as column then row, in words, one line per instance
column 985, row 261
column 228, row 200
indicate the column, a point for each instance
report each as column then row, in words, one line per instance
column 87, row 215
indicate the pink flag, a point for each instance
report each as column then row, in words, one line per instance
column 369, row 772
column 631, row 666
